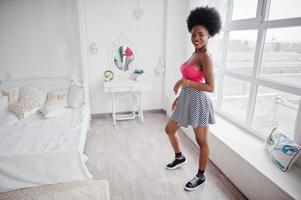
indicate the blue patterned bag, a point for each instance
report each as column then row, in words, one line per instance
column 283, row 150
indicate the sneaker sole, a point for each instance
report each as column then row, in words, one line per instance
column 192, row 189
column 177, row 166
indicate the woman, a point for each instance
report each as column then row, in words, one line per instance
column 193, row 106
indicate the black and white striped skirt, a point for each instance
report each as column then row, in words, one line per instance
column 193, row 108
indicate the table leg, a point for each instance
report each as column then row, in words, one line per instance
column 113, row 109
column 140, row 106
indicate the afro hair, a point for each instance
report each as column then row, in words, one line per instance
column 205, row 16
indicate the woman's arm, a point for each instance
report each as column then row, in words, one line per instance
column 174, row 103
column 207, row 65
column 177, row 86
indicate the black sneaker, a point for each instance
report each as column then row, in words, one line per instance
column 195, row 183
column 177, row 162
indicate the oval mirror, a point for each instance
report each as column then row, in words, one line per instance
column 123, row 57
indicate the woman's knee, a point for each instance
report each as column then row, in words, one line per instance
column 201, row 141
column 170, row 128
column 201, row 136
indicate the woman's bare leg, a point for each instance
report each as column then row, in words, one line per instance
column 171, row 129
column 201, row 136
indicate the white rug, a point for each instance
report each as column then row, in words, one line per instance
column 77, row 190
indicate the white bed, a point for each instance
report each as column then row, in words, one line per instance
column 36, row 151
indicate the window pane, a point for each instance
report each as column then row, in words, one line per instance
column 216, row 48
column 275, row 108
column 241, row 51
column 221, row 7
column 213, row 95
column 235, row 97
column 282, row 55
column 280, row 9
column 243, row 9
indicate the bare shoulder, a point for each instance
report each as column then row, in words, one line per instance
column 206, row 56
column 205, row 59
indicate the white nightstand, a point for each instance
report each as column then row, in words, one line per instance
column 133, row 89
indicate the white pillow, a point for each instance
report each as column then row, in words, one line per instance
column 76, row 96
column 3, row 103
column 30, row 101
column 30, row 94
column 54, row 110
column 13, row 96
column 55, row 97
column 283, row 150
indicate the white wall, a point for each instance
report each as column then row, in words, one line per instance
column 177, row 39
column 105, row 22
column 39, row 38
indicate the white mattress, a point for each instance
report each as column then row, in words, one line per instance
column 36, row 151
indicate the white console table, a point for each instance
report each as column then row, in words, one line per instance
column 132, row 89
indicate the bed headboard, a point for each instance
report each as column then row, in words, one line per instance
column 51, row 83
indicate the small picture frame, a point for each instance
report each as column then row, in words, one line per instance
column 108, row 75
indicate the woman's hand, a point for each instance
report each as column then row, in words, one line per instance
column 178, row 85
column 174, row 103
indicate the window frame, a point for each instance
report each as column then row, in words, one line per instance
column 261, row 24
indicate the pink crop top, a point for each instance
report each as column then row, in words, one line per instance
column 190, row 73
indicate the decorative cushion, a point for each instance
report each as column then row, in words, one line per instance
column 283, row 150
column 30, row 101
column 4, row 92
column 50, row 111
column 56, row 97
column 23, row 109
column 76, row 96
column 3, row 103
column 11, row 93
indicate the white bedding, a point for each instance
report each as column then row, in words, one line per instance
column 36, row 151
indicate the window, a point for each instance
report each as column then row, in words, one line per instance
column 243, row 9
column 275, row 108
column 282, row 55
column 261, row 66
column 235, row 97
column 216, row 48
column 280, row 9
column 213, row 95
column 241, row 51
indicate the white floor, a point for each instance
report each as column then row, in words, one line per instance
column 132, row 157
